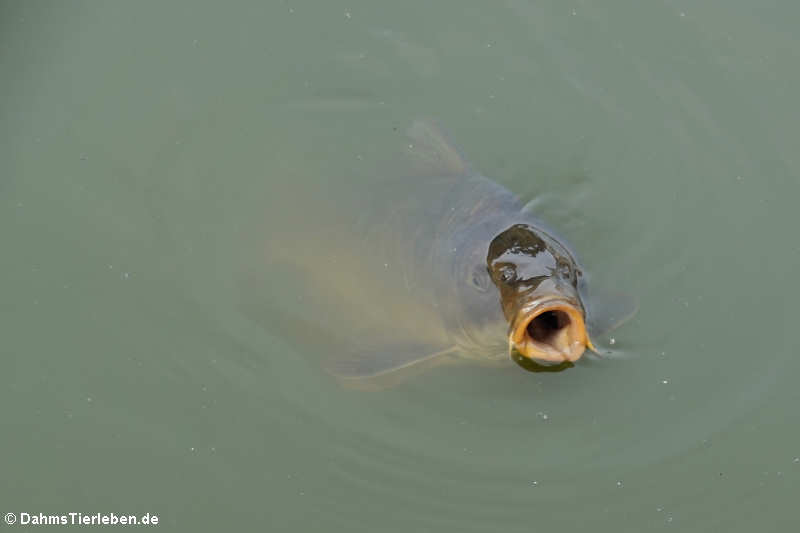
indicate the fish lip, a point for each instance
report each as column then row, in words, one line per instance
column 521, row 340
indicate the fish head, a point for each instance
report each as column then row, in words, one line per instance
column 538, row 282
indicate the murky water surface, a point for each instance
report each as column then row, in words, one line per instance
column 146, row 147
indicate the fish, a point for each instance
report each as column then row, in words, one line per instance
column 441, row 266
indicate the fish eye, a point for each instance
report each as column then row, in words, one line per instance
column 507, row 273
column 479, row 278
column 565, row 270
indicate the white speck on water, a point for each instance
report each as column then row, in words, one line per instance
column 291, row 10
column 659, row 509
column 543, row 416
column 359, row 157
column 619, row 484
column 410, row 146
column 488, row 45
column 191, row 449
column 669, row 519
column 612, row 341
column 89, row 399
column 386, row 265
column 213, row 449
column 125, row 275
column 683, row 14
column 534, row 483
column 574, row 12
column 347, row 15
column 665, row 382
column 796, row 460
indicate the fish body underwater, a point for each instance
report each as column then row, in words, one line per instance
column 440, row 267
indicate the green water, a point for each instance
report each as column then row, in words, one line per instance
column 142, row 144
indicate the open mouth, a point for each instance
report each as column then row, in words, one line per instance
column 553, row 332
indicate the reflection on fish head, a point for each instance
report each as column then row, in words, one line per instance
column 538, row 282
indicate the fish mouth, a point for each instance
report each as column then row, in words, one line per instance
column 551, row 331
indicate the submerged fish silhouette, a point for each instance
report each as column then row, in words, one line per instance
column 442, row 267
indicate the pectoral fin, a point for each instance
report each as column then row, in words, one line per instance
column 386, row 366
column 361, row 361
column 365, row 327
column 606, row 311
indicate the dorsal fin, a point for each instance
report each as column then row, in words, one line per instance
column 434, row 152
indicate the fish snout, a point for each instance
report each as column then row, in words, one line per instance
column 552, row 331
